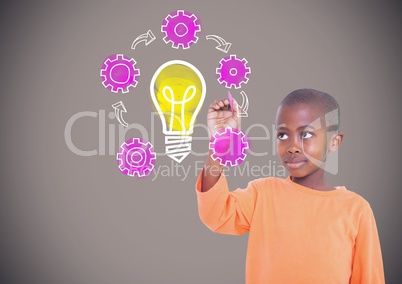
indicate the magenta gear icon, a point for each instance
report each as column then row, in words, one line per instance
column 119, row 73
column 181, row 29
column 136, row 157
column 233, row 72
column 229, row 146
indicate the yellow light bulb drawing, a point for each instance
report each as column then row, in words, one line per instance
column 178, row 91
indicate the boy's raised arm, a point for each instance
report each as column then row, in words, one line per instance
column 211, row 172
column 219, row 116
column 220, row 210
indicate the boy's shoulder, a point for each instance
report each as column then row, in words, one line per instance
column 357, row 200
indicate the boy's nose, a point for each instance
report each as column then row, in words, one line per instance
column 294, row 147
column 292, row 150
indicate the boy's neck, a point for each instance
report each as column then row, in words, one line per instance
column 314, row 181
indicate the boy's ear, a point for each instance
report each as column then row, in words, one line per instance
column 335, row 141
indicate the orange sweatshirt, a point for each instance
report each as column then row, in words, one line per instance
column 297, row 235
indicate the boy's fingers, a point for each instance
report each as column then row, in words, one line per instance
column 214, row 106
column 224, row 102
column 218, row 104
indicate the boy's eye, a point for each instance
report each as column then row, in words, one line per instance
column 306, row 134
column 282, row 136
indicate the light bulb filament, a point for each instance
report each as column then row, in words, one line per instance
column 173, row 103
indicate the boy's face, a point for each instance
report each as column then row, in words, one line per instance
column 302, row 142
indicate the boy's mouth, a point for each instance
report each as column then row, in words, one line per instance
column 295, row 163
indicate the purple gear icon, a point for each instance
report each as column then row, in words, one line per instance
column 119, row 73
column 233, row 72
column 181, row 29
column 229, row 146
column 136, row 157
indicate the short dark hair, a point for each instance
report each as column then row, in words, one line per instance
column 324, row 101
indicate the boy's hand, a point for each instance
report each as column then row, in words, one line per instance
column 220, row 116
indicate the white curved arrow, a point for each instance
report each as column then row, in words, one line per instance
column 223, row 44
column 244, row 106
column 147, row 38
column 119, row 108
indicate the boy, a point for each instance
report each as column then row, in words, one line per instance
column 301, row 229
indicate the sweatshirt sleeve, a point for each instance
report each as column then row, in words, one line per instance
column 223, row 211
column 367, row 260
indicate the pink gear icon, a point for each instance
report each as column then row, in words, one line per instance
column 181, row 29
column 229, row 146
column 136, row 157
column 233, row 72
column 119, row 73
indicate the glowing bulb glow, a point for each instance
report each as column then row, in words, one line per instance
column 178, row 91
